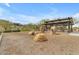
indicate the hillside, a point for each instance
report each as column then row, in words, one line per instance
column 8, row 26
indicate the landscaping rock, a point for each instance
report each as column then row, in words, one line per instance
column 40, row 37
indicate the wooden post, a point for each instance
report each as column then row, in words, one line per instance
column 69, row 27
column 63, row 28
column 46, row 27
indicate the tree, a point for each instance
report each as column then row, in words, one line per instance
column 43, row 21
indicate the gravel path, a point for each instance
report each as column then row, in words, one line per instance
column 22, row 44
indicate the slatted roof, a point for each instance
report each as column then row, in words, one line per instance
column 60, row 21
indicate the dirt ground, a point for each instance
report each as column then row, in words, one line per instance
column 22, row 44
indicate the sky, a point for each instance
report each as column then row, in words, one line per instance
column 25, row 13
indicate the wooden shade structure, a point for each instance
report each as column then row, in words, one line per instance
column 60, row 22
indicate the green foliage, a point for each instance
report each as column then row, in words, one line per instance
column 29, row 27
column 16, row 27
column 43, row 21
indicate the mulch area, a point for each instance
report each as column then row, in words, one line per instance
column 22, row 44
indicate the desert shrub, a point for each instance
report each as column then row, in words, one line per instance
column 11, row 31
column 29, row 27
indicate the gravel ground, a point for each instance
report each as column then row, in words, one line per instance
column 22, row 44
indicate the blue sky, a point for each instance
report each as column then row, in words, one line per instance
column 32, row 13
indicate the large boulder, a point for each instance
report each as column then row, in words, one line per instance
column 31, row 33
column 40, row 37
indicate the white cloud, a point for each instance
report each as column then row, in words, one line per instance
column 19, row 18
column 76, row 19
column 76, row 15
column 7, row 4
column 24, row 19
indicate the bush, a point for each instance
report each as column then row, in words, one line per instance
column 11, row 31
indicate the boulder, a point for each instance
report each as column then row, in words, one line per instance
column 40, row 37
column 31, row 33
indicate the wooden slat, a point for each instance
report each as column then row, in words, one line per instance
column 59, row 21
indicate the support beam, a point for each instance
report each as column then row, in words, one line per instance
column 71, row 28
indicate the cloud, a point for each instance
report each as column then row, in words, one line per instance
column 76, row 19
column 76, row 15
column 7, row 4
column 24, row 18
column 19, row 18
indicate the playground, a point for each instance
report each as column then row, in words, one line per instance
column 64, row 42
